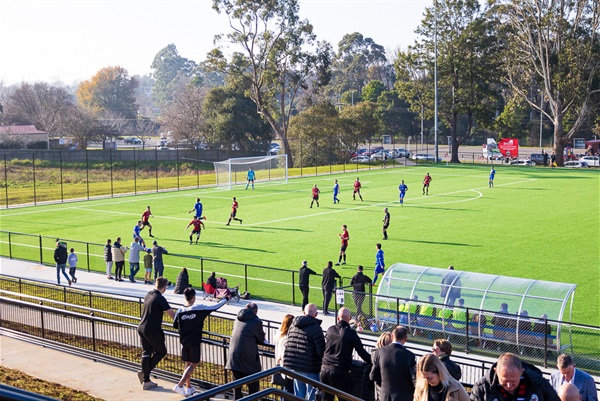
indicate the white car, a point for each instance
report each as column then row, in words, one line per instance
column 522, row 162
column 399, row 152
column 360, row 159
column 379, row 156
column 425, row 157
column 576, row 164
column 590, row 160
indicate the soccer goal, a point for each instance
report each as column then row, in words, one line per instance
column 266, row 168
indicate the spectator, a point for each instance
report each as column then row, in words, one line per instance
column 341, row 342
column 328, row 284
column 450, row 286
column 281, row 339
column 134, row 257
column 568, row 392
column 435, row 383
column 72, row 262
column 189, row 320
column 443, row 349
column 358, row 283
column 243, row 357
column 118, row 256
column 212, row 280
column 511, row 379
column 182, row 282
column 108, row 259
column 148, row 266
column 304, row 350
column 151, row 333
column 568, row 373
column 60, row 257
column 304, row 275
column 394, row 368
column 384, row 340
column 157, row 259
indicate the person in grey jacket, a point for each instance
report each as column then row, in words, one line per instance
column 157, row 259
column 243, row 359
column 134, row 258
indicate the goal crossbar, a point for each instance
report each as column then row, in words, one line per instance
column 266, row 168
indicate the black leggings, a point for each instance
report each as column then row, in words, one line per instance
column 153, row 350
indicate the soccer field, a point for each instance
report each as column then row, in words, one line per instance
column 536, row 223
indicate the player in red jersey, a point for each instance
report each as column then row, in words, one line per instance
column 234, row 207
column 146, row 221
column 315, row 196
column 426, row 182
column 198, row 226
column 357, row 186
column 345, row 237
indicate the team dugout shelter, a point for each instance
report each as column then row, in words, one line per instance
column 496, row 309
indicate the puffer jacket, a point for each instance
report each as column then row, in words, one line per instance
column 118, row 252
column 305, row 346
column 247, row 334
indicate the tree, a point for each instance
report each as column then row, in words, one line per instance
column 185, row 117
column 358, row 124
column 273, row 63
column 170, row 71
column 554, row 45
column 394, row 116
column 372, row 91
column 143, row 128
column 83, row 126
column 231, row 119
column 110, row 89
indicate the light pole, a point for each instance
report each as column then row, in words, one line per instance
column 541, row 116
column 422, row 113
column 435, row 119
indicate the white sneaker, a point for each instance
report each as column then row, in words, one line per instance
column 190, row 390
column 180, row 390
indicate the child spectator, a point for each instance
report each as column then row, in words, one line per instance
column 72, row 262
column 148, row 266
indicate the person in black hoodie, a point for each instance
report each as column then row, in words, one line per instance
column 182, row 282
column 243, row 357
column 510, row 379
column 328, row 284
column 341, row 341
column 60, row 257
column 358, row 283
column 304, row 350
column 442, row 348
column 304, row 276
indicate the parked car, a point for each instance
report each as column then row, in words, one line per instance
column 399, row 152
column 360, row 159
column 274, row 149
column 424, row 157
column 379, row 156
column 130, row 140
column 591, row 160
column 522, row 162
column 537, row 158
column 576, row 164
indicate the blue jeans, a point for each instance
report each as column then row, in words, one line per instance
column 159, row 268
column 304, row 390
column 61, row 268
column 133, row 269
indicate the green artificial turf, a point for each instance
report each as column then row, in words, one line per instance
column 536, row 223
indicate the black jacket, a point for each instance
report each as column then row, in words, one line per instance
column 452, row 367
column 305, row 345
column 359, row 280
column 538, row 388
column 329, row 276
column 394, row 369
column 183, row 282
column 60, row 255
column 304, row 274
column 247, row 334
column 340, row 342
column 107, row 253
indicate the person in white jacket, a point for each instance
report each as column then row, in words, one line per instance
column 134, row 258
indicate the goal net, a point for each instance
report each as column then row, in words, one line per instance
column 266, row 168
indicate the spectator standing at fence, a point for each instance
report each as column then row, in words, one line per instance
column 148, row 266
column 384, row 340
column 328, row 284
column 304, row 350
column 108, row 259
column 281, row 339
column 72, row 262
column 450, row 286
column 151, row 333
column 134, row 257
column 568, row 392
column 118, row 255
column 157, row 259
column 189, row 320
column 511, row 379
column 443, row 349
column 146, row 221
column 386, row 222
column 568, row 373
column 394, row 368
column 243, row 359
column 358, row 282
column 379, row 262
column 434, row 382
column 60, row 257
column 304, row 278
column 340, row 343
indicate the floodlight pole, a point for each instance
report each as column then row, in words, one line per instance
column 435, row 118
column 541, row 115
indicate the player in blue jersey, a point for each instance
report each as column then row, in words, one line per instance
column 491, row 181
column 379, row 263
column 336, row 191
column 198, row 209
column 137, row 229
column 251, row 176
column 402, row 188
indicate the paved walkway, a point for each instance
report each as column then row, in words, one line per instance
column 96, row 378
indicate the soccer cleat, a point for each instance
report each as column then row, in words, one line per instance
column 337, row 264
column 343, row 263
column 227, row 224
column 240, row 221
column 190, row 242
column 180, row 390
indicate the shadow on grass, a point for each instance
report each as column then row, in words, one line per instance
column 442, row 243
column 445, row 208
column 228, row 246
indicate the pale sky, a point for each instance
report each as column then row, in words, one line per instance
column 70, row 40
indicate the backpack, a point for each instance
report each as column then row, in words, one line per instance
column 221, row 282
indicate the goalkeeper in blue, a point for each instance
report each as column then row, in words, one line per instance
column 251, row 176
column 379, row 263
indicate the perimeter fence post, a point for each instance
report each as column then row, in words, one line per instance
column 87, row 253
column 87, row 174
column 371, row 300
column 6, row 181
column 246, row 277
column 42, row 319
column 93, row 331
column 41, row 253
column 33, row 171
column 467, row 320
column 62, row 191
column 9, row 246
column 156, row 166
column 202, row 271
column 224, row 348
column 110, row 156
column 293, row 288
column 397, row 311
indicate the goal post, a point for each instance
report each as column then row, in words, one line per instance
column 266, row 168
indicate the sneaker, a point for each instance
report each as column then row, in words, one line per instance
column 70, row 282
column 110, row 277
column 75, row 279
column 180, row 390
column 140, row 376
column 190, row 390
column 337, row 264
column 343, row 263
column 149, row 385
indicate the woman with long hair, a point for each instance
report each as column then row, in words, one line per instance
column 434, row 383
column 280, row 342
